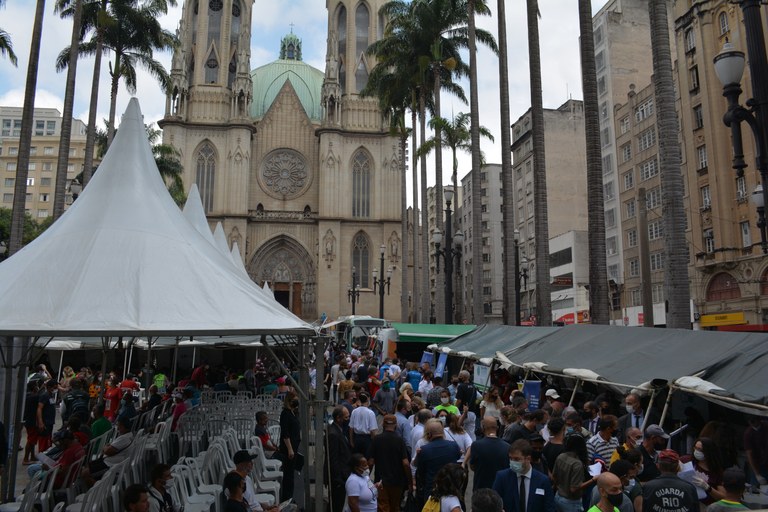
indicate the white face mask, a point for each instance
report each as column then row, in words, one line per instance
column 698, row 455
column 169, row 484
column 366, row 473
column 630, row 409
column 445, row 399
column 631, row 483
column 442, row 420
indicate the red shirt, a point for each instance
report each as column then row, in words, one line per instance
column 68, row 457
column 129, row 384
column 198, row 377
column 111, row 403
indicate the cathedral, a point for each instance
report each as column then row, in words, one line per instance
column 299, row 169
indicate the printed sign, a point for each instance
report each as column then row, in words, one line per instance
column 532, row 391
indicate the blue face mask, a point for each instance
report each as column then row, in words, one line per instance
column 516, row 466
column 569, row 430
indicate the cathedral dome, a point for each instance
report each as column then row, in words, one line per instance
column 270, row 78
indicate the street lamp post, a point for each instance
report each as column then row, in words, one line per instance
column 452, row 249
column 353, row 292
column 517, row 277
column 381, row 283
column 729, row 67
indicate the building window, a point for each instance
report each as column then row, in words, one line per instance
column 10, row 182
column 599, row 61
column 624, row 124
column 649, row 169
column 39, row 127
column 41, row 214
column 634, row 267
column 655, row 230
column 644, row 110
column 608, row 192
column 635, row 298
column 50, row 127
column 709, row 240
column 7, row 198
column 653, row 198
column 741, row 188
column 44, row 198
column 206, row 175
column 45, row 182
column 361, row 185
column 610, row 218
column 626, row 152
column 47, row 166
column 632, row 238
column 33, row 151
column 341, row 28
column 657, row 261
column 361, row 258
column 607, row 164
column 16, row 127
column 362, row 22
column 693, row 77
column 706, row 197
column 601, row 87
column 690, row 40
column 723, row 19
column 701, row 157
column 605, row 137
column 746, row 236
column 698, row 117
column 32, row 166
column 48, row 150
column 611, row 246
column 72, row 152
column 658, row 293
column 723, row 287
column 6, row 128
column 30, row 182
column 646, row 139
column 10, row 166
column 13, row 151
column 630, row 208
column 613, row 271
column 598, row 34
column 603, row 111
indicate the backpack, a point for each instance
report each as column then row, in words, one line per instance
column 431, row 505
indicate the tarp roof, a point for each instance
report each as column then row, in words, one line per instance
column 123, row 261
column 429, row 333
column 485, row 340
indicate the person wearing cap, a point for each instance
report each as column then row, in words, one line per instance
column 604, row 443
column 243, row 466
column 655, row 439
column 385, row 399
column 668, row 492
column 388, row 458
column 734, row 483
column 46, row 415
column 551, row 396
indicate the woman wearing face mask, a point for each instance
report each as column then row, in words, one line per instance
column 445, row 404
column 362, row 493
column 448, row 490
column 491, row 404
column 706, row 461
column 570, row 475
column 290, row 439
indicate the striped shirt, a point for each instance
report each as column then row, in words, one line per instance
column 597, row 447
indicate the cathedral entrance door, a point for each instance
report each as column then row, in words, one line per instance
column 289, row 295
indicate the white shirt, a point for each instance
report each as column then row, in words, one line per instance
column 363, row 488
column 335, row 374
column 394, row 371
column 463, row 440
column 416, row 434
column 527, row 485
column 448, row 503
column 363, row 421
column 425, row 387
column 122, row 444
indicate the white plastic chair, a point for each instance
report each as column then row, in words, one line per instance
column 274, row 434
column 180, row 496
column 188, row 489
column 27, row 499
column 269, row 464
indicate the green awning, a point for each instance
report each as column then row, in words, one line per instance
column 429, row 333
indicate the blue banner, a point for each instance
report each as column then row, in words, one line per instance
column 441, row 360
column 427, row 357
column 532, row 392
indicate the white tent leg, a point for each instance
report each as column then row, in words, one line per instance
column 61, row 365
column 575, row 390
column 125, row 364
column 130, row 362
column 194, row 353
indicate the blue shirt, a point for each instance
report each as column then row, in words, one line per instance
column 431, row 459
column 413, row 378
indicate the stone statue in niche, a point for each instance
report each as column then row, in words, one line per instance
column 394, row 247
column 329, row 247
column 235, row 237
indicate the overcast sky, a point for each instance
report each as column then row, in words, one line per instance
column 558, row 27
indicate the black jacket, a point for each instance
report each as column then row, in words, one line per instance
column 339, row 454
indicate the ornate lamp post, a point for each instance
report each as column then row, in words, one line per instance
column 517, row 277
column 381, row 283
column 729, row 67
column 452, row 249
column 353, row 292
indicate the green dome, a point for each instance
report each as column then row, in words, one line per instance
column 270, row 78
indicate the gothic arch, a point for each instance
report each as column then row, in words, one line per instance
column 362, row 169
column 361, row 258
column 285, row 263
column 206, row 159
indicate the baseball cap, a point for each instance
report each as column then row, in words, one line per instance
column 655, row 430
column 669, row 456
column 390, row 419
column 552, row 393
column 243, row 456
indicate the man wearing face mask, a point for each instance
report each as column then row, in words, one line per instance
column 532, row 423
column 635, row 416
column 385, row 398
column 522, row 488
column 591, row 416
column 668, row 492
column 160, row 499
column 634, row 439
column 621, row 501
column 603, row 444
column 611, row 496
column 655, row 440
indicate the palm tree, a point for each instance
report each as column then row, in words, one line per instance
column 6, row 46
column 69, row 102
column 541, row 222
column 25, row 137
column 676, row 284
column 168, row 164
column 598, row 278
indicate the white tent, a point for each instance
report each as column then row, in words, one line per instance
column 124, row 261
column 195, row 214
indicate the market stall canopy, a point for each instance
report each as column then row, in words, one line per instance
column 485, row 340
column 123, row 261
column 429, row 333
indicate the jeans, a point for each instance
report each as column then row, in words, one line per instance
column 565, row 505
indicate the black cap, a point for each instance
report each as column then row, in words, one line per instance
column 243, row 456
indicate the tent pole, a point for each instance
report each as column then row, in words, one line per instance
column 300, row 390
column 650, row 405
column 127, row 369
column 573, row 395
column 304, row 414
column 61, row 365
column 320, row 424
column 194, row 353
column 175, row 360
column 664, row 412
column 7, row 353
column 18, row 417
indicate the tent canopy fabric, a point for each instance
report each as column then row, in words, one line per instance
column 734, row 362
column 429, row 333
column 123, row 261
column 485, row 340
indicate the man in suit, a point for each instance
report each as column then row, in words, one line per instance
column 338, row 457
column 522, row 488
column 635, row 416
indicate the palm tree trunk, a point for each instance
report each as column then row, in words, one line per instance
column 478, row 314
column 598, row 273
column 440, row 306
column 676, row 284
column 66, row 121
column 415, row 297
column 113, row 99
column 403, row 221
column 541, row 227
column 25, row 137
column 426, row 295
column 507, row 179
column 90, row 138
column 458, row 283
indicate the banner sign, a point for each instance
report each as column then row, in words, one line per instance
column 427, row 357
column 482, row 376
column 441, row 360
column 532, row 391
